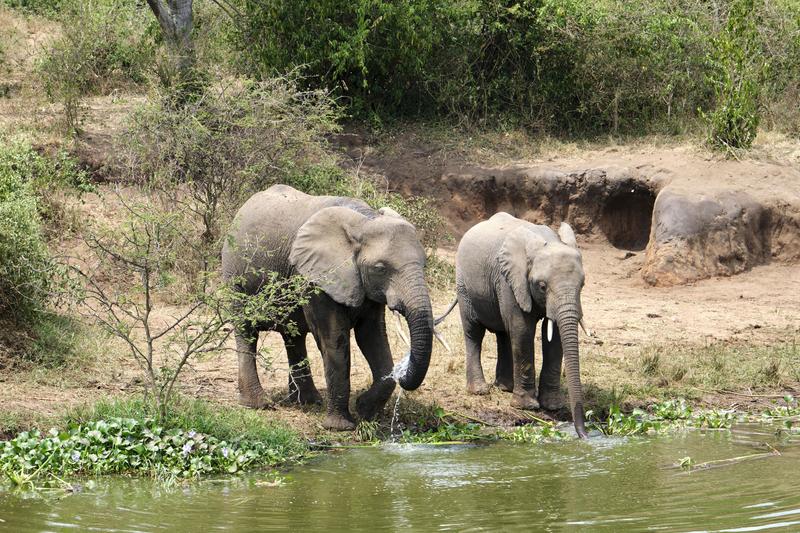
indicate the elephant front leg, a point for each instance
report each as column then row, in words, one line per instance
column 524, row 372
column 251, row 394
column 504, row 373
column 331, row 331
column 371, row 339
column 550, row 378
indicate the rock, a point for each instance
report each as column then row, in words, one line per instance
column 697, row 236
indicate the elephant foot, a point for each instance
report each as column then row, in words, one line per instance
column 505, row 386
column 337, row 422
column 255, row 400
column 551, row 400
column 524, row 401
column 372, row 401
column 478, row 387
column 305, row 395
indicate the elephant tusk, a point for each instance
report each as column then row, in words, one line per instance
column 399, row 325
column 584, row 328
column 549, row 330
column 439, row 337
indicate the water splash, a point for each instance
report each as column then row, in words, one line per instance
column 400, row 368
column 395, row 414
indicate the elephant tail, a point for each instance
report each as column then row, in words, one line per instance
column 439, row 320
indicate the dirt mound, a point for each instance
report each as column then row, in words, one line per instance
column 696, row 218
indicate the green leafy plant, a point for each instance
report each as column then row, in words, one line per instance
column 673, row 410
column 737, row 71
column 125, row 445
column 27, row 272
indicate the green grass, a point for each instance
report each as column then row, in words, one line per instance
column 721, row 366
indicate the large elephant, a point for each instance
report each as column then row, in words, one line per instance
column 510, row 274
column 362, row 260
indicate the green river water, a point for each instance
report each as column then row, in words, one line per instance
column 605, row 484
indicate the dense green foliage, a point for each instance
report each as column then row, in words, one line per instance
column 125, row 445
column 123, row 437
column 737, row 73
column 26, row 268
column 576, row 66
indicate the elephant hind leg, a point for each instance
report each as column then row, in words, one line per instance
column 504, row 373
column 301, row 385
column 251, row 394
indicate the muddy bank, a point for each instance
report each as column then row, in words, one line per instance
column 713, row 218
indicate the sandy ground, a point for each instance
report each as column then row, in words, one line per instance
column 758, row 308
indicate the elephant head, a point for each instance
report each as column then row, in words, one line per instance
column 547, row 277
column 352, row 257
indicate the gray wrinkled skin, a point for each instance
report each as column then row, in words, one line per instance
column 511, row 274
column 363, row 261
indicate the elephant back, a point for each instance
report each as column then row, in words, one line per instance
column 263, row 231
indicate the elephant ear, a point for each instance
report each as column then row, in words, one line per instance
column 324, row 252
column 567, row 236
column 514, row 261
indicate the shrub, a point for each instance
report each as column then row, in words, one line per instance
column 40, row 7
column 106, row 44
column 148, row 246
column 573, row 66
column 236, row 139
column 738, row 66
column 26, row 269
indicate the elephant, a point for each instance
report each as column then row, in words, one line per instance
column 362, row 261
column 510, row 274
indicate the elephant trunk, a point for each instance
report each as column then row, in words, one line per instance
column 416, row 308
column 568, row 315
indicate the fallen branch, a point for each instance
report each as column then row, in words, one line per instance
column 731, row 461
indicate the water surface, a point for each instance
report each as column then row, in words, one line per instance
column 606, row 484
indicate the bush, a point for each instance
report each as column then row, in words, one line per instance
column 234, row 140
column 573, row 66
column 106, row 44
column 738, row 67
column 40, row 7
column 26, row 269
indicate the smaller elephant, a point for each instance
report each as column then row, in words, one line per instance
column 510, row 274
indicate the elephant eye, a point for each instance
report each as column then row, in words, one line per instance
column 542, row 286
column 379, row 267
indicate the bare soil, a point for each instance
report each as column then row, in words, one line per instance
column 726, row 341
column 753, row 310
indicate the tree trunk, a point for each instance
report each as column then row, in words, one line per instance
column 176, row 22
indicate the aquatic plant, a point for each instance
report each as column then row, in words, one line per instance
column 447, row 432
column 128, row 446
column 715, row 419
column 672, row 410
column 532, row 434
column 666, row 415
column 791, row 409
